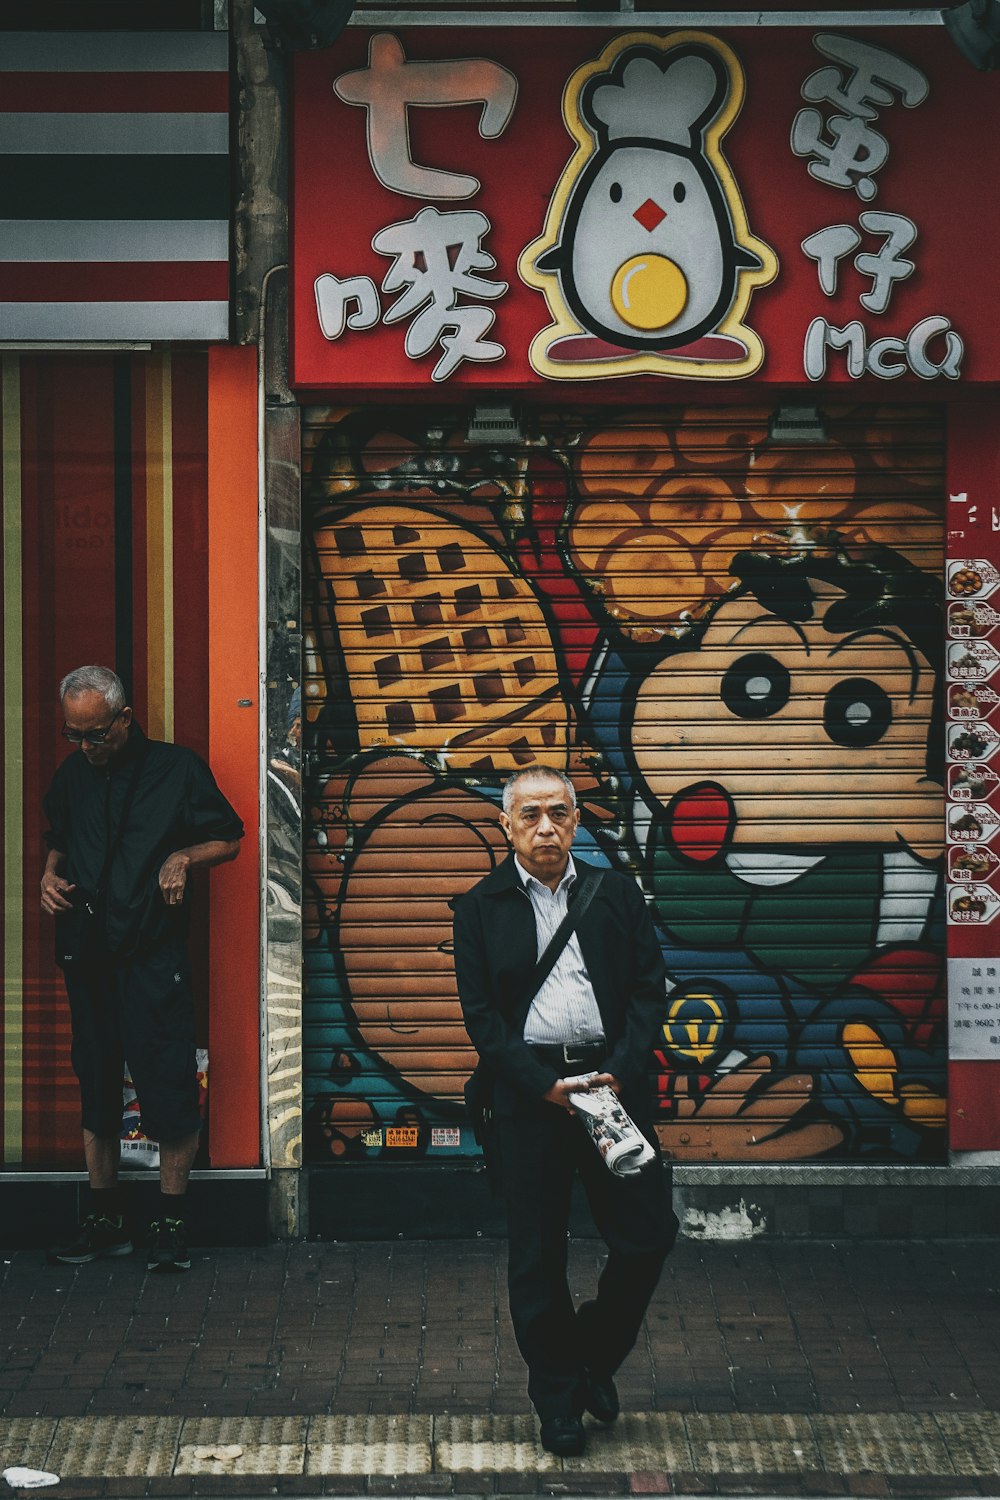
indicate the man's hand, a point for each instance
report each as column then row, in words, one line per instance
column 55, row 890
column 173, row 877
column 55, row 893
column 174, row 870
column 560, row 1091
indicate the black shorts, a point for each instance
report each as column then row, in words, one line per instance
column 140, row 1009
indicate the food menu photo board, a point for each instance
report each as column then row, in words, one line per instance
column 973, row 817
column 972, row 586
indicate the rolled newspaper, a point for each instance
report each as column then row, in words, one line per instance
column 613, row 1131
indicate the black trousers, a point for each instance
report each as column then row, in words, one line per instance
column 142, row 1009
column 541, row 1148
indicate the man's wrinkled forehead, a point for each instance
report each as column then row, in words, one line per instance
column 87, row 705
column 534, row 792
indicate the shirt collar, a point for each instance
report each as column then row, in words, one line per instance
column 528, row 880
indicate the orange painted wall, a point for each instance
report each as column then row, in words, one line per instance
column 234, row 1027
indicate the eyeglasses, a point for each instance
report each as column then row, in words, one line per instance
column 92, row 736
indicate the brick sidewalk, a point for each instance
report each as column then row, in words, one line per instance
column 739, row 1338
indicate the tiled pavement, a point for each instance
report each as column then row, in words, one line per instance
column 809, row 1368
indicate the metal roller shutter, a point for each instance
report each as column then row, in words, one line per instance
column 733, row 644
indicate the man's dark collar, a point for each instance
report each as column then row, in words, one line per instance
column 131, row 748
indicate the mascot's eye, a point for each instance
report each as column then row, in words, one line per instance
column 615, row 192
column 680, row 192
column 857, row 713
column 756, row 686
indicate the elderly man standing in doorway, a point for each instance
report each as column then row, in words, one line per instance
column 129, row 818
column 596, row 1011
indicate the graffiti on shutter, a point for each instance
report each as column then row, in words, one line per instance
column 733, row 645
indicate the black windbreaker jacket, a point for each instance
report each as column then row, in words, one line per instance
column 176, row 804
column 496, row 947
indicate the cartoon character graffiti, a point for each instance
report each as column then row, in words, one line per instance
column 813, row 673
column 742, row 681
column 647, row 261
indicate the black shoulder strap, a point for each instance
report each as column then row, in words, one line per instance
column 574, row 915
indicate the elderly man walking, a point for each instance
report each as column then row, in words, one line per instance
column 129, row 818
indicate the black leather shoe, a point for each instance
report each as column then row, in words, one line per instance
column 600, row 1396
column 563, row 1436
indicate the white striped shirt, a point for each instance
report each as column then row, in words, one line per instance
column 565, row 1008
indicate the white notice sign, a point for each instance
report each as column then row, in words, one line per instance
column 974, row 1008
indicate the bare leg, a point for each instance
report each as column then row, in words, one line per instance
column 176, row 1158
column 101, row 1154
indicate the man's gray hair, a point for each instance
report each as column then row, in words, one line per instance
column 535, row 773
column 94, row 680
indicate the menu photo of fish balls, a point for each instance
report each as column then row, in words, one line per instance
column 965, row 581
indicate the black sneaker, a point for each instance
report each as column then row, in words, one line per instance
column 98, row 1236
column 168, row 1249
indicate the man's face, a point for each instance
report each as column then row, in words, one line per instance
column 89, row 711
column 541, row 825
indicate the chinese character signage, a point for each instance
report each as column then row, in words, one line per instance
column 974, row 1009
column 504, row 208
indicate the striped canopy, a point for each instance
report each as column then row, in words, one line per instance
column 114, row 186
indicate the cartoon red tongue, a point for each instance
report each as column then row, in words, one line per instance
column 700, row 820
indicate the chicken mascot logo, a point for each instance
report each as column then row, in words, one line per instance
column 647, row 262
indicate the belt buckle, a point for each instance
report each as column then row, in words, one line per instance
column 576, row 1056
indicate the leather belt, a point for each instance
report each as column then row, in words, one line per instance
column 572, row 1057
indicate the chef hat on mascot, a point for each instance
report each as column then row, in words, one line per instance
column 670, row 104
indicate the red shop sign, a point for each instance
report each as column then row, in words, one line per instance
column 503, row 207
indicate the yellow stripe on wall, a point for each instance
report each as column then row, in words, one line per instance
column 160, row 546
column 13, row 790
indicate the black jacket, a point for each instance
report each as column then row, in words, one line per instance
column 496, row 947
column 176, row 804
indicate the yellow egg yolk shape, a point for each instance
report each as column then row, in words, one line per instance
column 649, row 292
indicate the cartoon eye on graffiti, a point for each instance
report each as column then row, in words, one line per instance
column 647, row 262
